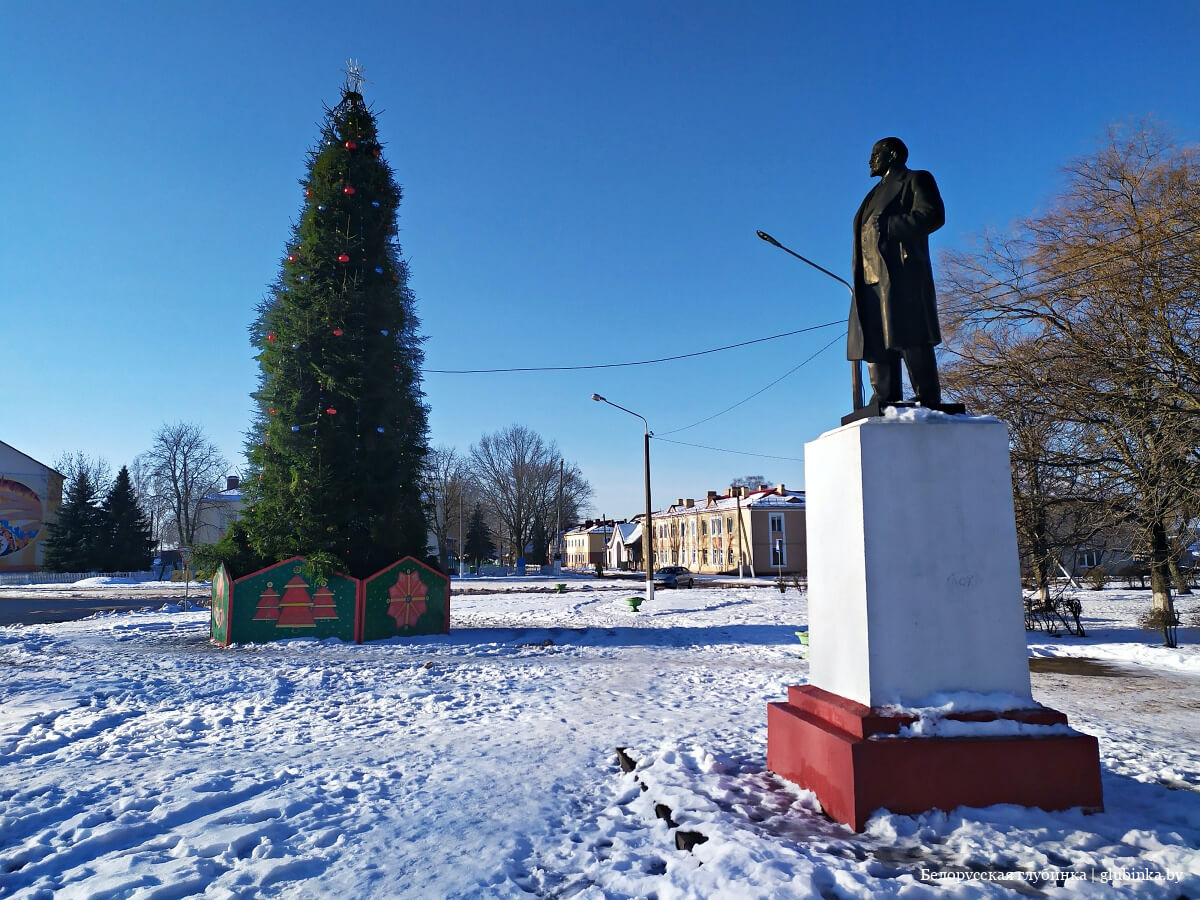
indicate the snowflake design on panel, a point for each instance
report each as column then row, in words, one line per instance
column 407, row 599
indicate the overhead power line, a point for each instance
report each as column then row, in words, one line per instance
column 724, row 450
column 760, row 390
column 642, row 362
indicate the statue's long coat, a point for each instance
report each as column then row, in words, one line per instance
column 910, row 209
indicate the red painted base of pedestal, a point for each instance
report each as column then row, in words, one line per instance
column 823, row 742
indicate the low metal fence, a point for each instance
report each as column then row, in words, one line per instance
column 7, row 578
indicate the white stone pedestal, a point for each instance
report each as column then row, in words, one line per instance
column 913, row 577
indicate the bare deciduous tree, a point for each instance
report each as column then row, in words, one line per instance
column 186, row 466
column 446, row 493
column 574, row 494
column 1101, row 294
column 76, row 463
column 1055, row 497
column 750, row 482
column 152, row 495
column 517, row 475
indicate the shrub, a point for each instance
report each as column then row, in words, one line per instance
column 1096, row 578
column 233, row 549
column 1157, row 620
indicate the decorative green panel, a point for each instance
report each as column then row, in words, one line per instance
column 279, row 602
column 222, row 595
column 406, row 598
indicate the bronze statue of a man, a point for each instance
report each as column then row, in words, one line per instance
column 894, row 312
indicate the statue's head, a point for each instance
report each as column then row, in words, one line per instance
column 887, row 153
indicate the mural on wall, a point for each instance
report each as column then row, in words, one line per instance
column 20, row 516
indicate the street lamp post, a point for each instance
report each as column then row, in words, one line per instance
column 856, row 385
column 648, row 526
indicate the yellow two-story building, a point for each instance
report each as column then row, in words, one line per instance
column 759, row 531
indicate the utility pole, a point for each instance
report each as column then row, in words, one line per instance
column 648, row 526
column 741, row 552
column 558, row 541
column 856, row 385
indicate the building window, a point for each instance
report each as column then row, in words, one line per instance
column 777, row 523
column 1087, row 559
column 718, row 557
column 703, row 528
column 716, row 525
column 778, row 553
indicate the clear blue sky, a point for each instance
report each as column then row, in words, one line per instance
column 582, row 185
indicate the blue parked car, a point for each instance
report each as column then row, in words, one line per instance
column 674, row 577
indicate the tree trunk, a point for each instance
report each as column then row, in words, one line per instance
column 1179, row 579
column 1162, row 608
column 1041, row 579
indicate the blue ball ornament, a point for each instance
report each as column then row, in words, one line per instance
column 295, row 428
column 374, row 202
column 380, row 429
column 383, row 331
column 379, row 270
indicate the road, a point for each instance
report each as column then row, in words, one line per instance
column 38, row 604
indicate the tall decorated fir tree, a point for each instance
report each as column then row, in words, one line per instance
column 341, row 431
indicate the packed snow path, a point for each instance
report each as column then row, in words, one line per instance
column 139, row 760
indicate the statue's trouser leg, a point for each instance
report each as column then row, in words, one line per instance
column 923, row 373
column 885, row 378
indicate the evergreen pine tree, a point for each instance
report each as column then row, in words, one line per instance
column 74, row 540
column 128, row 547
column 341, row 433
column 539, row 540
column 478, row 544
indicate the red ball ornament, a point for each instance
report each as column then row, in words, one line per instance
column 347, row 190
column 331, row 410
column 350, row 145
column 271, row 337
column 376, row 152
column 343, row 258
column 308, row 192
column 337, row 332
column 291, row 257
column 271, row 411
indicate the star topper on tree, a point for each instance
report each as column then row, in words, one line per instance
column 355, row 78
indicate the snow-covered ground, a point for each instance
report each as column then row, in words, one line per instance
column 139, row 760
